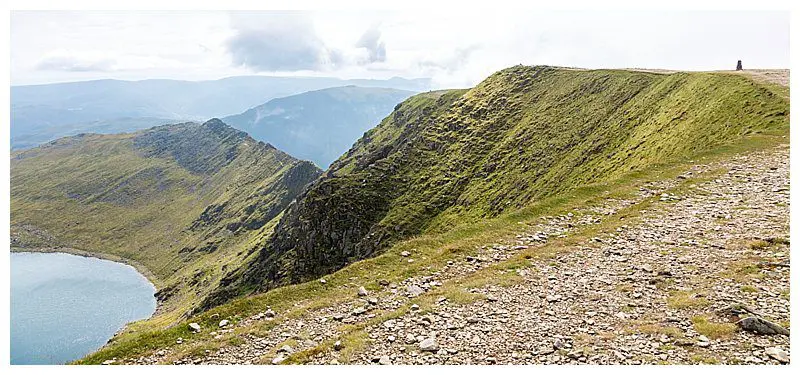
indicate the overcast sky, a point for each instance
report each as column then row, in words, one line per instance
column 455, row 49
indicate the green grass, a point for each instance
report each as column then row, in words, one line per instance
column 149, row 197
column 437, row 249
column 713, row 330
column 686, row 300
column 451, row 171
column 522, row 135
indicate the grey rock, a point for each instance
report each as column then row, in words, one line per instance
column 781, row 355
column 194, row 327
column 414, row 290
column 429, row 345
column 762, row 326
column 385, row 360
column 362, row 291
column 277, row 360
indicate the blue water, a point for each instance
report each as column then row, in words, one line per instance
column 65, row 306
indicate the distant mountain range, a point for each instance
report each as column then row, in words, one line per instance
column 40, row 113
column 319, row 125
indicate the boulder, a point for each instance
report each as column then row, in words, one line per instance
column 762, row 326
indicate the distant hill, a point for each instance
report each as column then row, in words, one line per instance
column 178, row 199
column 37, row 136
column 319, row 125
column 37, row 111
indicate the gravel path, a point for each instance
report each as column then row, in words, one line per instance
column 669, row 287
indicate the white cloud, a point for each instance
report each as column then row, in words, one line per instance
column 95, row 61
column 458, row 48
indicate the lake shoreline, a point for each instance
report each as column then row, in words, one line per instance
column 88, row 254
column 66, row 285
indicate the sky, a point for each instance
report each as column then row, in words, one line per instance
column 454, row 49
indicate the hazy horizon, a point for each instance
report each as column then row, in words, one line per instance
column 456, row 49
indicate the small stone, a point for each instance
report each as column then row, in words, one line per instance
column 385, row 360
column 359, row 311
column 362, row 292
column 194, row 327
column 323, row 281
column 777, row 353
column 337, row 345
column 491, row 360
column 372, row 301
column 428, row 345
column 414, row 307
column 286, row 349
column 109, row 362
column 391, row 338
column 269, row 313
column 223, row 323
column 405, row 254
column 414, row 290
column 277, row 360
column 410, row 339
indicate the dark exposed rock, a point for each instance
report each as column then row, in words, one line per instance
column 762, row 326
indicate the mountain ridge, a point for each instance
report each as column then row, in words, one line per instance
column 522, row 134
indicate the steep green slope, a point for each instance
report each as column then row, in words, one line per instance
column 524, row 134
column 319, row 125
column 176, row 199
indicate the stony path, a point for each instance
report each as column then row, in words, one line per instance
column 665, row 289
column 643, row 295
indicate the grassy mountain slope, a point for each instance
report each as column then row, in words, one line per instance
column 318, row 125
column 178, row 199
column 448, row 158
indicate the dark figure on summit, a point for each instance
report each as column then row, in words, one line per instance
column 739, row 65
